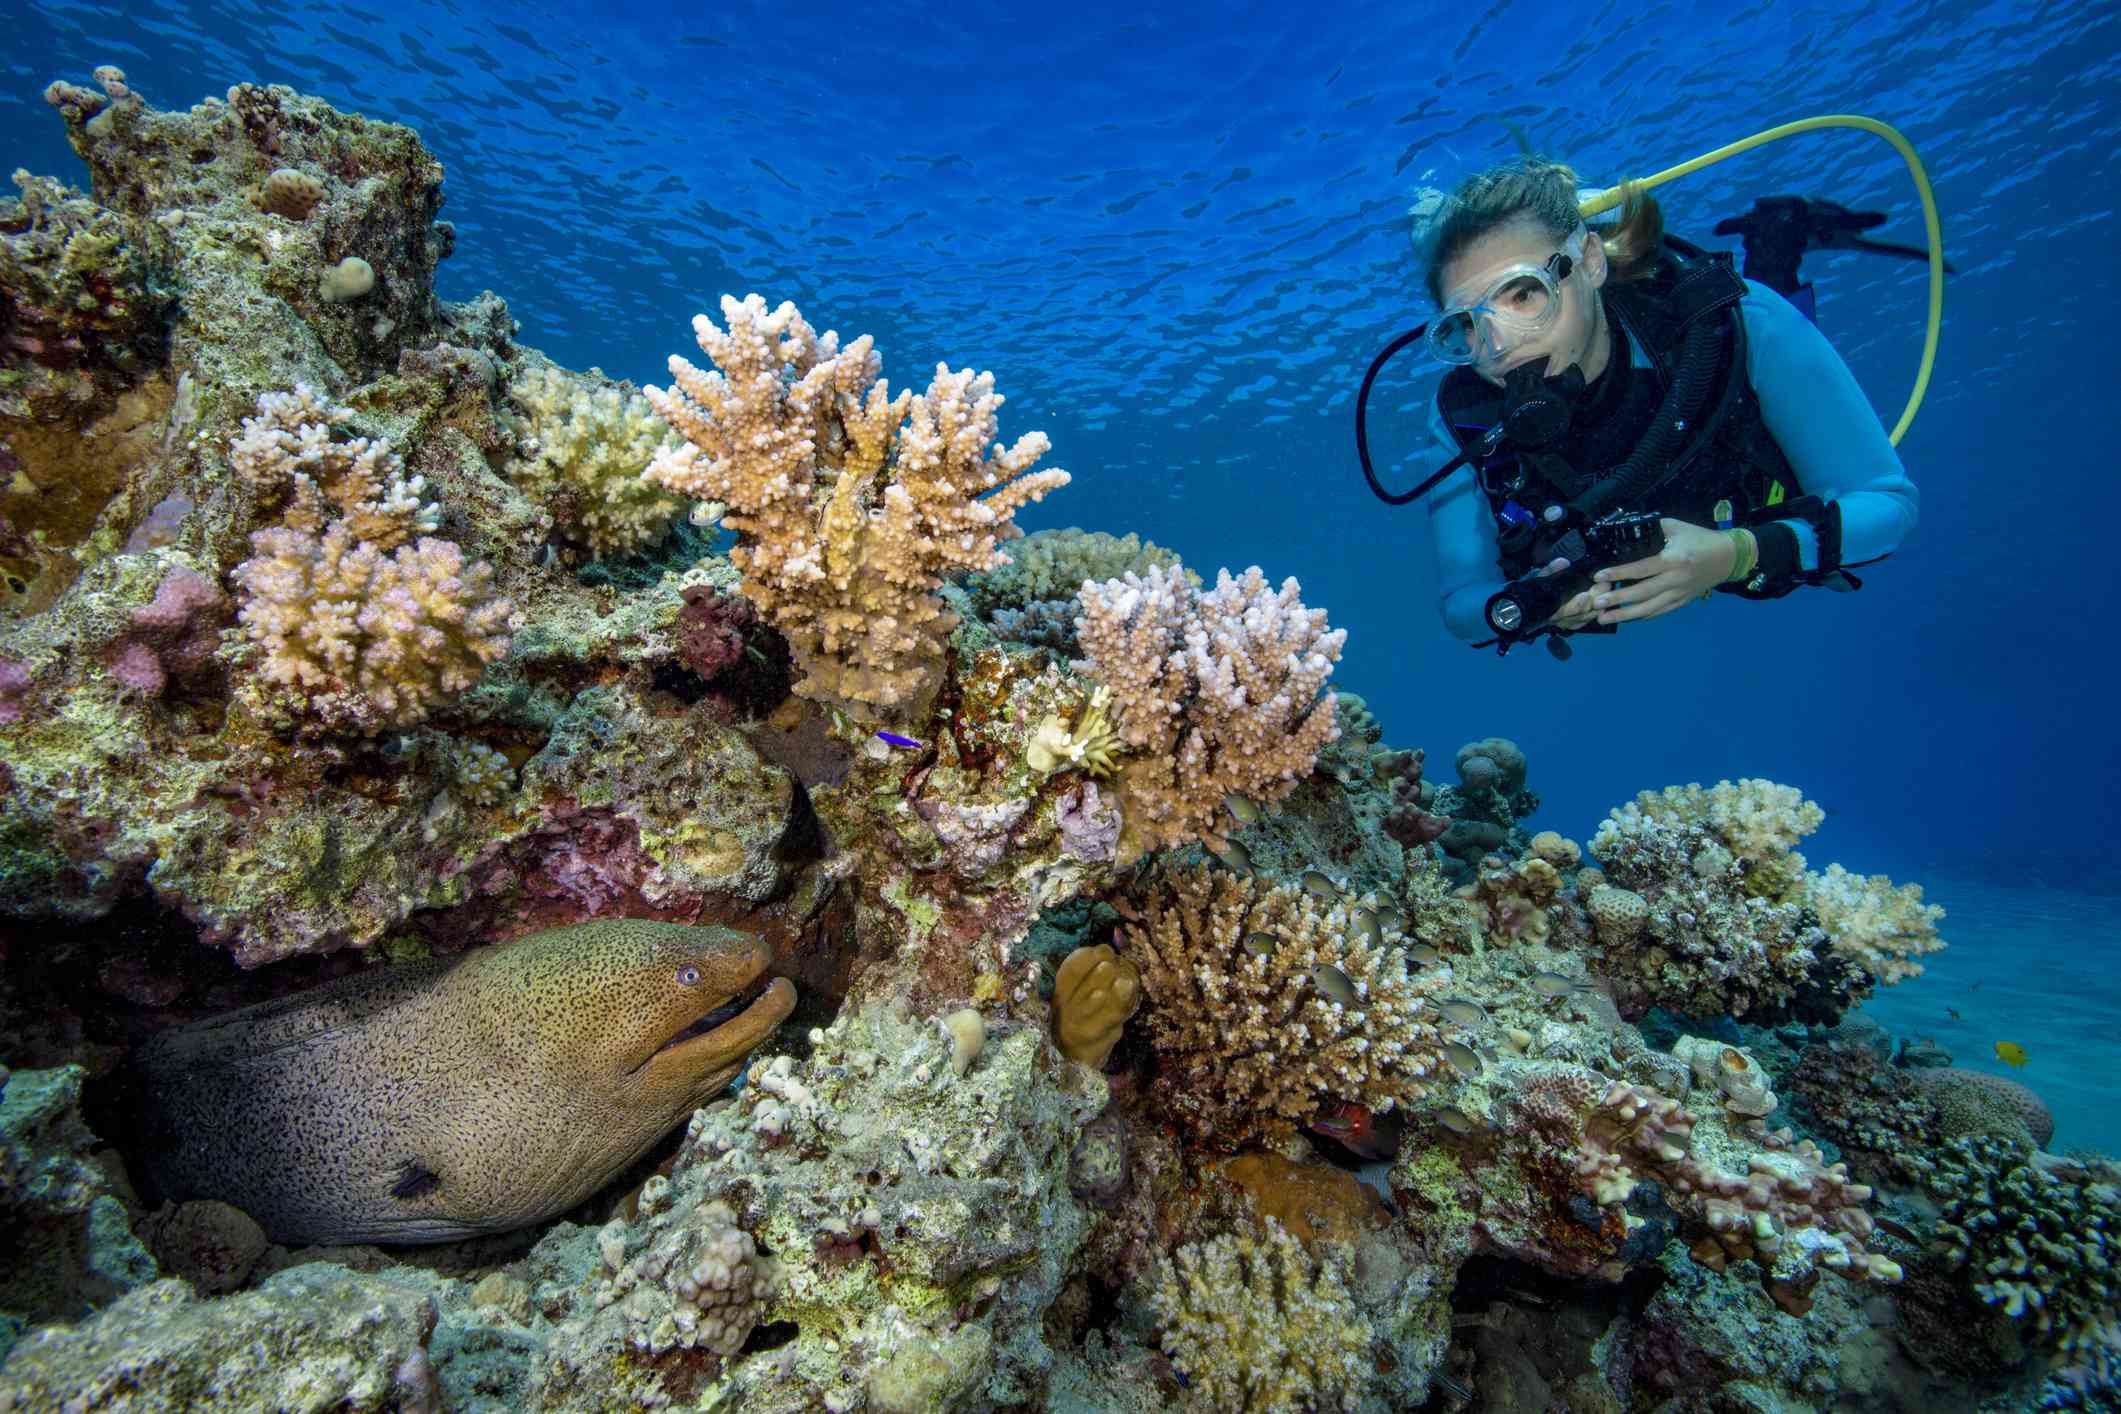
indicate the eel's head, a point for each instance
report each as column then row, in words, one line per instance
column 663, row 1015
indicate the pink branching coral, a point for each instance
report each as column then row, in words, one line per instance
column 850, row 505
column 367, row 627
column 1213, row 694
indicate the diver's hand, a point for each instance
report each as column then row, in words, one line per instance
column 1577, row 610
column 1694, row 560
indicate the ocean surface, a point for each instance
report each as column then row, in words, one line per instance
column 1176, row 235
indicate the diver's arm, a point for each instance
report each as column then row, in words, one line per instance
column 1462, row 536
column 1829, row 431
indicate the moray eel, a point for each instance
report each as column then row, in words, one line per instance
column 439, row 1100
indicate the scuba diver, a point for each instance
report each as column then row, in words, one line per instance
column 1631, row 424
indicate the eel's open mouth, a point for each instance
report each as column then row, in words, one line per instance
column 754, row 992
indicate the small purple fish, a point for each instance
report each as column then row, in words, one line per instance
column 903, row 743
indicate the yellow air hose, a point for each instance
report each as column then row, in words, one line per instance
column 1614, row 196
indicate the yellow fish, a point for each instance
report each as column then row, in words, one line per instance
column 2010, row 1053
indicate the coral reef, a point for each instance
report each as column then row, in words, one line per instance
column 2032, row 1234
column 1263, row 1005
column 65, row 1246
column 850, row 506
column 1166, row 1040
column 1257, row 1324
column 913, row 1215
column 584, row 452
column 367, row 628
column 1214, row 694
column 312, row 1338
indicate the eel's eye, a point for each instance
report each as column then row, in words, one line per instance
column 688, row 976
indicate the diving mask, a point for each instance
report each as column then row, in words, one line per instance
column 1518, row 303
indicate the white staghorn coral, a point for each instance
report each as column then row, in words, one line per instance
column 850, row 505
column 1214, row 693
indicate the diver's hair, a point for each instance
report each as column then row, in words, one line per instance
column 1542, row 192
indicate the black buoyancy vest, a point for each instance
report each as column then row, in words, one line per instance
column 1731, row 471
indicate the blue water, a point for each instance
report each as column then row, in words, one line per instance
column 1176, row 238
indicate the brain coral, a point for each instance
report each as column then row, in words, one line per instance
column 1972, row 1102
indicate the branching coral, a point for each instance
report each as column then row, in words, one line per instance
column 1264, row 1004
column 1213, row 694
column 1758, row 821
column 585, row 449
column 1788, row 1213
column 1677, row 926
column 2035, row 1234
column 1883, row 927
column 1872, row 1111
column 850, row 505
column 1258, row 1325
column 1728, row 904
column 369, row 630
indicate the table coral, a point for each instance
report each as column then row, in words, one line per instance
column 850, row 505
column 1253, row 1036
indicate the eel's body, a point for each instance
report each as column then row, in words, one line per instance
column 435, row 1101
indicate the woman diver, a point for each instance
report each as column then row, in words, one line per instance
column 1638, row 425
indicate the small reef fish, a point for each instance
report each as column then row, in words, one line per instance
column 1234, row 856
column 1335, row 984
column 1261, row 944
column 444, row 1099
column 2011, row 1054
column 1457, row 1120
column 1243, row 810
column 1367, row 927
column 1463, row 1058
column 1319, row 886
column 1553, row 984
column 903, row 743
column 1953, row 1013
column 1423, row 953
column 1372, row 1137
column 1463, row 1012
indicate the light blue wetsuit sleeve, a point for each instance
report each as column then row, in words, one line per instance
column 1827, row 428
column 1462, row 535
